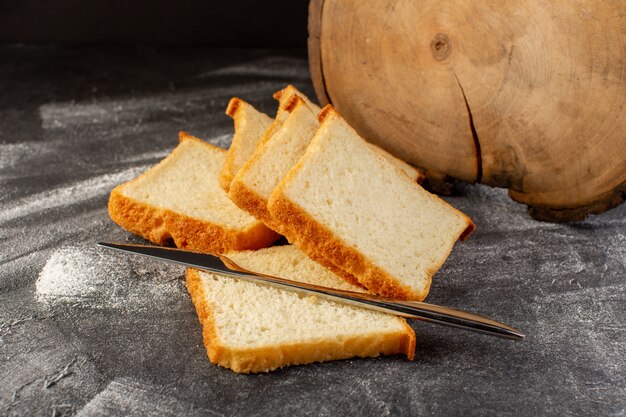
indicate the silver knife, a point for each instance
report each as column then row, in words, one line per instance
column 409, row 309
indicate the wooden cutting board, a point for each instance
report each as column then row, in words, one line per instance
column 527, row 95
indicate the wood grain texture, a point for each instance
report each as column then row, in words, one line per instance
column 528, row 96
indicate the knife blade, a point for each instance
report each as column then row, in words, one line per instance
column 409, row 309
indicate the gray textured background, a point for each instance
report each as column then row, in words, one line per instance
column 76, row 121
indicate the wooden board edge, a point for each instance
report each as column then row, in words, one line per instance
column 544, row 212
column 315, row 51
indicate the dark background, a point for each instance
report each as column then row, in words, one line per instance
column 247, row 23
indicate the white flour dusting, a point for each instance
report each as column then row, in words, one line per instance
column 98, row 278
column 274, row 67
column 12, row 154
column 223, row 141
column 130, row 397
column 71, row 194
column 56, row 116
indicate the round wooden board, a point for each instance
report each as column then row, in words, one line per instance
column 526, row 95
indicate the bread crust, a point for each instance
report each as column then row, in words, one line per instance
column 269, row 358
column 251, row 202
column 160, row 225
column 312, row 237
column 316, row 240
column 226, row 173
column 337, row 270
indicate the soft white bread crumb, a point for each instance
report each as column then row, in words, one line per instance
column 255, row 328
column 291, row 263
column 356, row 208
column 272, row 159
column 250, row 125
column 281, row 147
column 180, row 199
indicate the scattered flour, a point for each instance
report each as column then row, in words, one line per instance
column 271, row 67
column 130, row 111
column 146, row 156
column 12, row 154
column 99, row 278
column 223, row 141
column 130, row 397
column 72, row 194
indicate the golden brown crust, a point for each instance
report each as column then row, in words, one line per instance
column 182, row 136
column 274, row 357
column 292, row 102
column 159, row 225
column 248, row 200
column 312, row 237
column 140, row 219
column 278, row 95
column 225, row 178
column 252, row 203
column 209, row 335
column 310, row 251
column 337, row 270
column 233, row 105
column 226, row 173
column 326, row 112
column 468, row 230
column 410, row 347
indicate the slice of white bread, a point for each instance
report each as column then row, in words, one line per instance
column 357, row 209
column 180, row 199
column 249, row 327
column 276, row 153
column 284, row 97
column 272, row 159
column 280, row 148
column 250, row 125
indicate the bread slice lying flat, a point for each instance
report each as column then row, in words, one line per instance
column 250, row 125
column 356, row 208
column 180, row 199
column 255, row 328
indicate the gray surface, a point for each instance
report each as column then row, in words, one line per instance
column 75, row 122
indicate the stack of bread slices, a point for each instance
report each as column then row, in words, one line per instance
column 355, row 216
